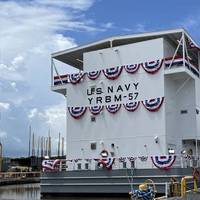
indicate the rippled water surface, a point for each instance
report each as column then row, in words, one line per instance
column 32, row 192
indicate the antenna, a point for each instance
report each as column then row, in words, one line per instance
column 49, row 144
column 62, row 146
column 59, row 145
column 33, row 144
column 38, row 147
column 41, row 147
column 29, row 142
column 1, row 156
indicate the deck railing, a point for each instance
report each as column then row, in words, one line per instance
column 169, row 62
column 145, row 162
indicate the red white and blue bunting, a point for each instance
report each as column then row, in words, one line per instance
column 106, row 162
column 93, row 75
column 113, row 108
column 76, row 78
column 153, row 105
column 62, row 79
column 131, row 69
column 77, row 112
column 132, row 159
column 131, row 106
column 153, row 66
column 122, row 159
column 95, row 110
column 50, row 165
column 143, row 158
column 163, row 162
column 112, row 73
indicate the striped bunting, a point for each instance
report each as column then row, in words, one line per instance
column 163, row 162
column 153, row 105
column 95, row 110
column 112, row 73
column 131, row 69
column 77, row 112
column 93, row 75
column 75, row 78
column 132, row 106
column 153, row 66
column 113, row 108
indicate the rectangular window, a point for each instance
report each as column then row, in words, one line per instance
column 184, row 111
column 86, row 166
column 132, row 164
column 124, row 164
column 93, row 145
column 79, row 165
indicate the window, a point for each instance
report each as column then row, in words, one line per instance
column 86, row 166
column 93, row 146
column 79, row 165
column 93, row 118
column 124, row 164
column 132, row 164
column 184, row 111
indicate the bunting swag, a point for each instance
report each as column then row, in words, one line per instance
column 93, row 75
column 177, row 61
column 95, row 110
column 50, row 165
column 62, row 79
column 153, row 66
column 113, row 108
column 163, row 162
column 131, row 69
column 107, row 162
column 75, row 78
column 112, row 73
column 153, row 105
column 132, row 106
column 77, row 112
column 122, row 159
column 132, row 159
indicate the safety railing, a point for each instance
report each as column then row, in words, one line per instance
column 114, row 163
column 18, row 175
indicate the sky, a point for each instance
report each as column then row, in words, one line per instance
column 30, row 30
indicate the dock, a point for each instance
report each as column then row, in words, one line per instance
column 11, row 178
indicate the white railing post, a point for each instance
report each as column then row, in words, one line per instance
column 166, row 189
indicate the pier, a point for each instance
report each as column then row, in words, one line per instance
column 11, row 178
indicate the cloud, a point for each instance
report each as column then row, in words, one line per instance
column 73, row 4
column 3, row 134
column 4, row 105
column 30, row 32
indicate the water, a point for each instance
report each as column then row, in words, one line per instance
column 32, row 192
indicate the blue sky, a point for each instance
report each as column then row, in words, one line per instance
column 32, row 30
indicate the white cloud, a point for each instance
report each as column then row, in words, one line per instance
column 30, row 32
column 73, row 4
column 3, row 134
column 32, row 113
column 4, row 105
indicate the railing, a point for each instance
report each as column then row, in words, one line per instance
column 142, row 162
column 18, row 175
column 169, row 63
column 178, row 61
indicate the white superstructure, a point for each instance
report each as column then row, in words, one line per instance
column 167, row 76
